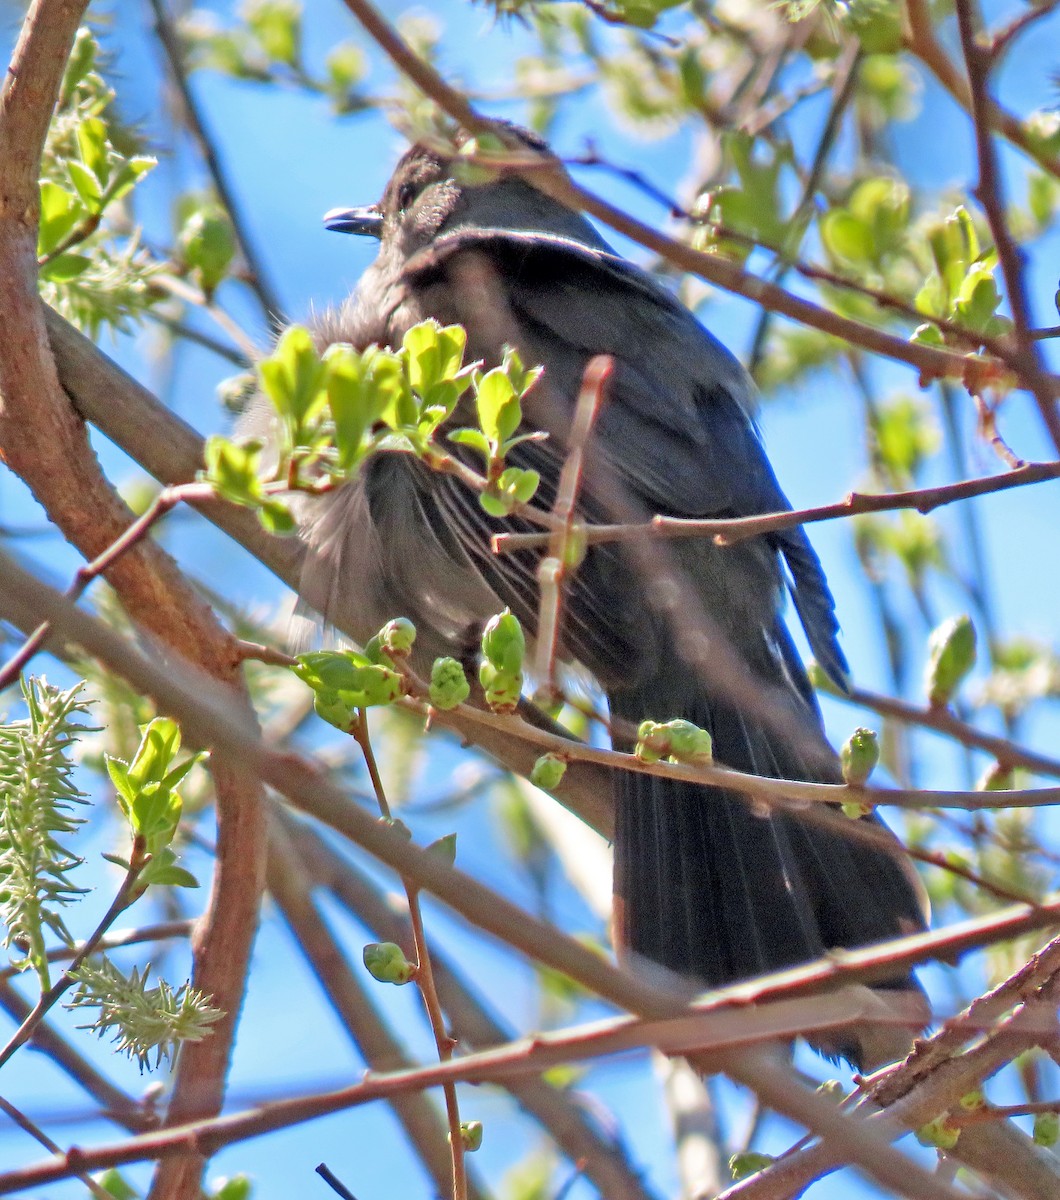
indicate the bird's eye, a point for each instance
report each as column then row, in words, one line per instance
column 406, row 194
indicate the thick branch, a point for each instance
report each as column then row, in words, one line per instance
column 45, row 442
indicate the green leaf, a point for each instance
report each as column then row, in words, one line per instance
column 159, row 745
column 65, row 267
column 92, row 143
column 424, row 358
column 232, row 470
column 352, row 681
column 354, row 402
column 847, row 237
column 499, row 412
column 277, row 26
column 128, row 175
column 86, row 185
column 473, row 438
column 60, row 211
column 292, row 377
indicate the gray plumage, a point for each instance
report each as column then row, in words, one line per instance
column 704, row 885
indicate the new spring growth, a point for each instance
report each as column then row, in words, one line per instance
column 449, row 686
column 397, row 637
column 750, row 1162
column 470, row 1135
column 996, row 778
column 344, row 680
column 387, row 963
column 679, row 741
column 501, row 672
column 940, row 1133
column 858, row 758
column 1046, row 1128
column 547, row 772
column 951, row 649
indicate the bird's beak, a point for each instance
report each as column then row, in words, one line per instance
column 367, row 221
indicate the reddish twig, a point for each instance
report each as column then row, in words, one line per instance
column 553, row 566
column 989, row 191
column 727, row 531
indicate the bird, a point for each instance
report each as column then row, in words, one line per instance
column 705, row 884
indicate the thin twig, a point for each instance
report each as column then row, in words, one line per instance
column 115, row 941
column 553, row 566
column 423, row 976
column 942, row 720
column 545, row 172
column 255, row 276
column 38, row 1135
column 727, row 531
column 989, row 191
column 921, row 42
column 163, row 503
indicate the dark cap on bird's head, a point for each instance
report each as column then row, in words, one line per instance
column 433, row 192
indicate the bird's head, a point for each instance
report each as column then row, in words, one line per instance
column 434, row 192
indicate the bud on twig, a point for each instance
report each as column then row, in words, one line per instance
column 952, row 656
column 387, row 963
column 859, row 756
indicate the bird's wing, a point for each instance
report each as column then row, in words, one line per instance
column 677, row 425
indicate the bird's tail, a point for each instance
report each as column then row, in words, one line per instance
column 715, row 889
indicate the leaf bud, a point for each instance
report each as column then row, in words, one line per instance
column 940, row 1133
column 397, row 636
column 503, row 643
column 859, row 756
column 449, row 686
column 502, row 689
column 996, row 778
column 386, row 962
column 951, row 656
column 470, row 1135
column 652, row 742
column 548, row 771
column 688, row 742
column 750, row 1162
column 855, row 811
column 444, row 848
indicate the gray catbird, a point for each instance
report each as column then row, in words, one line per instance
column 704, row 884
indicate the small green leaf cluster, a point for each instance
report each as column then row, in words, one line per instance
column 336, row 409
column 268, row 46
column 676, row 741
column 90, row 165
column 750, row 206
column 501, row 670
column 871, row 228
column 961, row 286
column 1024, row 671
column 499, row 394
column 344, row 681
column 144, row 1020
column 147, row 795
column 36, row 795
